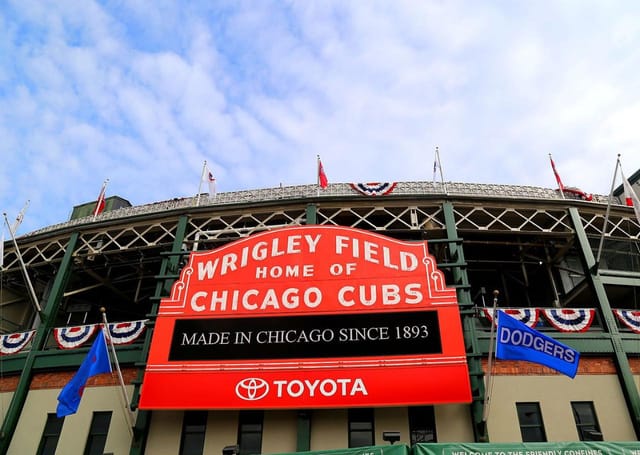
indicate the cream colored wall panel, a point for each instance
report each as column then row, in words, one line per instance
column 279, row 431
column 110, row 399
column 391, row 419
column 76, row 426
column 164, row 433
column 329, row 429
column 555, row 393
column 222, row 431
column 5, row 401
column 453, row 423
column 32, row 420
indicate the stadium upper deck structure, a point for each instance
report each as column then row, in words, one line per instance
column 537, row 249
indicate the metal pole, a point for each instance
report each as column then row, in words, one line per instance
column 23, row 267
column 125, row 395
column 204, row 168
column 489, row 384
column 606, row 216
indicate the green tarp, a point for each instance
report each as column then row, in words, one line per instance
column 462, row 448
column 399, row 449
column 530, row 448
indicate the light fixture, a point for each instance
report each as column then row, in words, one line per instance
column 391, row 436
column 231, row 450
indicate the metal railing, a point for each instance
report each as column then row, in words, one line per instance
column 311, row 192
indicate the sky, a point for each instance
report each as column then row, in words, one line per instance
column 142, row 92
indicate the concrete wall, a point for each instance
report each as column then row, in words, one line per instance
column 329, row 427
column 76, row 427
column 164, row 433
column 555, row 393
column 453, row 423
column 5, row 401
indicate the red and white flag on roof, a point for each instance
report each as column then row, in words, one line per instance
column 101, row 200
column 555, row 172
column 630, row 196
column 19, row 218
column 323, row 182
column 211, row 180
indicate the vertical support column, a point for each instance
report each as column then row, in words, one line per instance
column 168, row 267
column 303, row 425
column 49, row 312
column 467, row 312
column 312, row 211
column 627, row 382
column 303, row 440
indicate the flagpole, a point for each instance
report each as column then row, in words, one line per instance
column 489, row 382
column 125, row 395
column 204, row 169
column 2, row 251
column 318, row 177
column 555, row 173
column 606, row 215
column 23, row 267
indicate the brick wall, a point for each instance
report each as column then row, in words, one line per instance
column 57, row 380
column 588, row 365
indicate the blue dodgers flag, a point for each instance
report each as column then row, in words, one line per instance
column 517, row 341
column 96, row 362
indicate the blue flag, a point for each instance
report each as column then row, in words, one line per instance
column 517, row 341
column 96, row 362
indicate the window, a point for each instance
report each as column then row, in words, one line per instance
column 250, row 432
column 531, row 425
column 50, row 435
column 98, row 433
column 361, row 427
column 586, row 421
column 422, row 424
column 194, row 425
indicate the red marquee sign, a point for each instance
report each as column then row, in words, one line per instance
column 308, row 317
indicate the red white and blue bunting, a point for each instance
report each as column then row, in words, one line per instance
column 121, row 333
column 126, row 332
column 374, row 188
column 570, row 320
column 13, row 343
column 528, row 316
column 73, row 337
column 76, row 336
column 564, row 320
column 630, row 318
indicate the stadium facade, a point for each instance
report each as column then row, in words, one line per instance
column 291, row 319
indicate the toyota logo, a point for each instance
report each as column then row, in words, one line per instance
column 252, row 389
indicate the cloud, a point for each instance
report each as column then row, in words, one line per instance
column 142, row 92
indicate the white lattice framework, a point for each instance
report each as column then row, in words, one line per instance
column 413, row 206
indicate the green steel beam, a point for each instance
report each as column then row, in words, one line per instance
column 303, row 440
column 303, row 423
column 49, row 312
column 312, row 212
column 583, row 341
column 461, row 283
column 163, row 287
column 619, row 280
column 127, row 354
column 622, row 362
